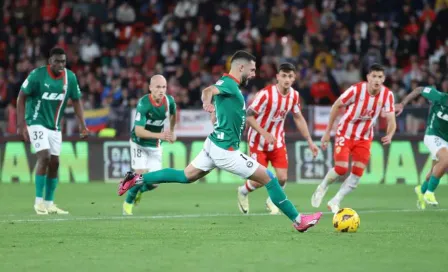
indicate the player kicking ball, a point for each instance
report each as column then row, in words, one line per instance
column 221, row 148
column 40, row 106
column 266, row 118
column 436, row 140
column 146, row 136
column 364, row 102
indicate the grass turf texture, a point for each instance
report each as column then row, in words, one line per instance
column 199, row 228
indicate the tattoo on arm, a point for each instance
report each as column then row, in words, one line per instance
column 250, row 112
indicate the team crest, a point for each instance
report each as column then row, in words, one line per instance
column 338, row 149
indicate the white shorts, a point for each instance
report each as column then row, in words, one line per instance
column 43, row 138
column 145, row 158
column 434, row 144
column 235, row 162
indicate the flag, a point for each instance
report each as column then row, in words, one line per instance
column 96, row 119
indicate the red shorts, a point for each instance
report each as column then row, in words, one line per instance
column 359, row 149
column 278, row 157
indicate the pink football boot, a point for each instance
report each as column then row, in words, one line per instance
column 128, row 182
column 307, row 221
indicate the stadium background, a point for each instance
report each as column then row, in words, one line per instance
column 115, row 46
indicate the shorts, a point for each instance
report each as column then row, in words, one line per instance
column 359, row 149
column 43, row 138
column 434, row 144
column 234, row 161
column 278, row 157
column 145, row 158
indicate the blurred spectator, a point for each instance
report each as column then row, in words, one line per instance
column 125, row 14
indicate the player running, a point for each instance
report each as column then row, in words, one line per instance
column 221, row 146
column 436, row 139
column 364, row 102
column 146, row 135
column 266, row 118
column 40, row 106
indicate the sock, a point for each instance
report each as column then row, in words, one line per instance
column 280, row 200
column 132, row 193
column 247, row 188
column 424, row 186
column 50, row 188
column 330, row 177
column 38, row 200
column 40, row 185
column 433, row 183
column 48, row 202
column 349, row 185
column 146, row 187
column 167, row 175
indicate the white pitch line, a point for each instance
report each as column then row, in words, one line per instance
column 181, row 216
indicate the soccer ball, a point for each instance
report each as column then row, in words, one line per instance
column 346, row 220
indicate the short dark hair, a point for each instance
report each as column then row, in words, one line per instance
column 287, row 67
column 376, row 67
column 56, row 51
column 244, row 55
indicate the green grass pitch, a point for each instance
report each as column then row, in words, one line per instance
column 199, row 228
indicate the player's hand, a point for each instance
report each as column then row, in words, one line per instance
column 166, row 136
column 269, row 138
column 84, row 132
column 386, row 139
column 399, row 108
column 208, row 107
column 314, row 149
column 173, row 138
column 325, row 140
column 23, row 131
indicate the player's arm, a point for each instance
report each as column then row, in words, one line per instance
column 75, row 96
column 173, row 119
column 252, row 122
column 302, row 126
column 389, row 111
column 427, row 92
column 340, row 102
column 21, row 125
column 207, row 96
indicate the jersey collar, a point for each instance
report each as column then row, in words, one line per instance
column 232, row 77
column 154, row 103
column 53, row 76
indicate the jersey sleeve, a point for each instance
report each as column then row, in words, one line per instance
column 75, row 91
column 389, row 104
column 435, row 96
column 172, row 103
column 260, row 102
column 296, row 107
column 223, row 87
column 348, row 97
column 140, row 115
column 30, row 84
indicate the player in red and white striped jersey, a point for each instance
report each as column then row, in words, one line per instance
column 364, row 102
column 266, row 136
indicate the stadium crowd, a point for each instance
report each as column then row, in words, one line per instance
column 115, row 46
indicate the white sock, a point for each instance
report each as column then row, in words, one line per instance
column 38, row 200
column 349, row 185
column 298, row 219
column 330, row 177
column 48, row 202
column 246, row 188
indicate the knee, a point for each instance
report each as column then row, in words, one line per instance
column 282, row 179
column 357, row 171
column 44, row 161
column 54, row 163
column 341, row 170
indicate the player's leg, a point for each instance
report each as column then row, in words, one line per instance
column 420, row 190
column 55, row 140
column 360, row 156
column 341, row 155
column 279, row 160
column 250, row 186
column 197, row 169
column 39, row 141
column 439, row 149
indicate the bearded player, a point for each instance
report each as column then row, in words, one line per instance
column 436, row 140
column 40, row 106
column 152, row 111
column 364, row 102
column 221, row 148
column 266, row 118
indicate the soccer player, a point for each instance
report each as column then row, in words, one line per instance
column 40, row 106
column 364, row 102
column 266, row 118
column 221, row 146
column 436, row 139
column 146, row 135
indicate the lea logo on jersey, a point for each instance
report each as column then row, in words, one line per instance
column 157, row 123
column 53, row 96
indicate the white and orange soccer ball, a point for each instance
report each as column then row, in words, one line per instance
column 346, row 220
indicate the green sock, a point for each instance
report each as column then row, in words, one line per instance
column 167, row 175
column 50, row 188
column 147, row 187
column 40, row 185
column 280, row 200
column 433, row 183
column 132, row 193
column 424, row 186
